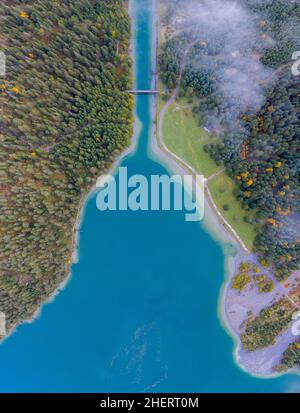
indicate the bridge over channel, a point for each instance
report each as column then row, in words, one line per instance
column 143, row 92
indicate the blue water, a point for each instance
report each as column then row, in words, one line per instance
column 140, row 312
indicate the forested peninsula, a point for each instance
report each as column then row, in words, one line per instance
column 64, row 120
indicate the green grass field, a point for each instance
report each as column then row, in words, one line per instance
column 221, row 188
column 184, row 137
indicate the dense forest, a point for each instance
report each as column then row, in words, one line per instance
column 64, row 118
column 259, row 133
column 262, row 331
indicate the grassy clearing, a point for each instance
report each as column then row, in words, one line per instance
column 221, row 188
column 184, row 137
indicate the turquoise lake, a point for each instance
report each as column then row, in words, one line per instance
column 140, row 311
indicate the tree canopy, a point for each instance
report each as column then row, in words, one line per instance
column 64, row 118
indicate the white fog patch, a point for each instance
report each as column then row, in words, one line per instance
column 233, row 47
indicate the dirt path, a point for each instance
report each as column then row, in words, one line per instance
column 217, row 173
column 182, row 162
